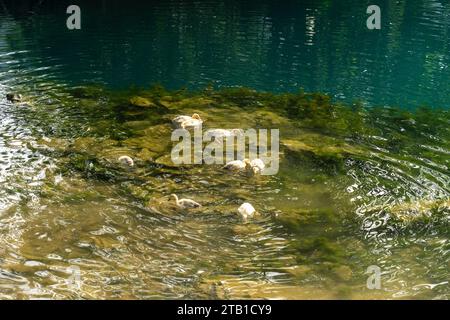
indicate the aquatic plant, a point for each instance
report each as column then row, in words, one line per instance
column 348, row 172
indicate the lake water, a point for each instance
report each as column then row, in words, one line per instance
column 316, row 45
column 357, row 187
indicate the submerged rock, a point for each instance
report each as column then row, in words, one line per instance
column 321, row 151
column 155, row 139
column 420, row 207
column 343, row 272
column 139, row 192
column 166, row 160
column 299, row 271
column 85, row 144
column 233, row 287
column 414, row 211
column 321, row 146
column 145, row 155
column 138, row 125
column 141, row 102
column 51, row 144
column 269, row 119
column 166, row 101
column 298, row 219
column 192, row 103
column 88, row 92
column 319, row 249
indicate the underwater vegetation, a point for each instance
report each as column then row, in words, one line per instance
column 86, row 175
column 316, row 133
column 352, row 178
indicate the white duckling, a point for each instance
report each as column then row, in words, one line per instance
column 246, row 211
column 186, row 122
column 126, row 161
column 238, row 165
column 257, row 166
column 224, row 133
column 185, row 203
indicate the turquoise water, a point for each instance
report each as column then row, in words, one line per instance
column 317, row 45
column 356, row 187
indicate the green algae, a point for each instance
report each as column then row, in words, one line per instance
column 319, row 249
column 299, row 219
column 324, row 151
column 315, row 130
column 92, row 91
column 419, row 216
column 141, row 102
column 307, row 203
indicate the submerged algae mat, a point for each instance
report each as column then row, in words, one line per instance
column 357, row 186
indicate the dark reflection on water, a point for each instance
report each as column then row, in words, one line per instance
column 54, row 218
column 318, row 45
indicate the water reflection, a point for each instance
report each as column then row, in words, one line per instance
column 315, row 45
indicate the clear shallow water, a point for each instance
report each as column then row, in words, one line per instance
column 320, row 226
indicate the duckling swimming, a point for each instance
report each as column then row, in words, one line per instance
column 246, row 211
column 126, row 160
column 14, row 97
column 257, row 166
column 224, row 133
column 238, row 165
column 185, row 203
column 186, row 122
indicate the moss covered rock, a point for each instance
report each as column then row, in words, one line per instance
column 156, row 139
column 321, row 146
column 141, row 102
